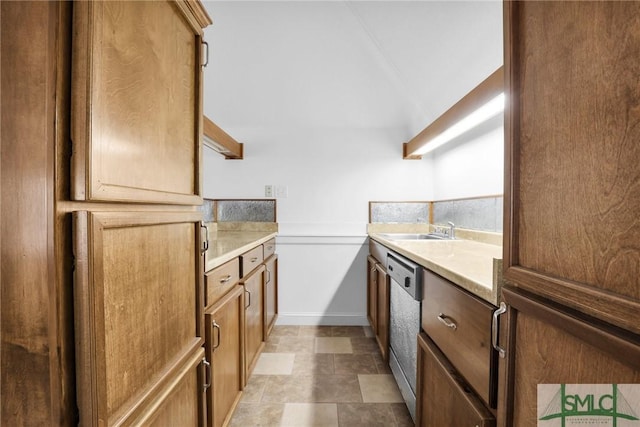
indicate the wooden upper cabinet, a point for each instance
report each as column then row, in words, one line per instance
column 138, row 317
column 572, row 196
column 137, row 101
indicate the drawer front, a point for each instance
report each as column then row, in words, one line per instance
column 460, row 325
column 269, row 248
column 220, row 280
column 250, row 260
column 378, row 251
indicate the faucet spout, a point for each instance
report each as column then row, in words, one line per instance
column 452, row 230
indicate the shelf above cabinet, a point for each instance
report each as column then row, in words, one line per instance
column 220, row 141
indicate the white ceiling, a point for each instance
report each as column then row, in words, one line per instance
column 346, row 64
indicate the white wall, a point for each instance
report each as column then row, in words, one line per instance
column 323, row 94
column 331, row 175
column 472, row 165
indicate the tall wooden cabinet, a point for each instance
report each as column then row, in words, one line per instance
column 101, row 163
column 572, row 196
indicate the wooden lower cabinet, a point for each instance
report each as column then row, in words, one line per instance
column 548, row 344
column 254, row 319
column 378, row 303
column 270, row 294
column 224, row 323
column 444, row 399
column 372, row 293
column 382, row 310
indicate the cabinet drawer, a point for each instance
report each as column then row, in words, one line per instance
column 460, row 325
column 250, row 260
column 269, row 248
column 220, row 280
column 443, row 397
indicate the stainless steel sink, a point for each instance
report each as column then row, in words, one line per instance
column 413, row 236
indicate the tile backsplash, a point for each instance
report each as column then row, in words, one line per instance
column 228, row 210
column 399, row 212
column 483, row 213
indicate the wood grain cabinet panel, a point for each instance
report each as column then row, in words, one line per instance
column 460, row 325
column 138, row 289
column 181, row 402
column 572, row 229
column 372, row 294
column 254, row 318
column 269, row 248
column 382, row 310
column 445, row 398
column 270, row 294
column 547, row 345
column 221, row 280
column 250, row 260
column 224, row 348
column 136, row 102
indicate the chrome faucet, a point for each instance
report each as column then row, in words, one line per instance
column 452, row 230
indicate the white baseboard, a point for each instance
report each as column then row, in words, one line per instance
column 324, row 319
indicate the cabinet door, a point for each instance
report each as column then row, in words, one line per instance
column 372, row 293
column 572, row 228
column 182, row 402
column 136, row 101
column 270, row 294
column 138, row 293
column 382, row 311
column 254, row 319
column 547, row 346
column 224, row 344
column 444, row 399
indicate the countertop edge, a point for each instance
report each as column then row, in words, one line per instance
column 210, row 264
column 490, row 295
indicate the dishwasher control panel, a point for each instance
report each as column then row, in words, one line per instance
column 406, row 274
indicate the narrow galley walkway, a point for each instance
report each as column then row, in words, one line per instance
column 329, row 376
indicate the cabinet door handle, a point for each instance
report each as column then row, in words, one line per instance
column 495, row 328
column 225, row 279
column 205, row 243
column 218, row 333
column 206, row 61
column 268, row 276
column 445, row 321
column 207, row 375
column 248, row 305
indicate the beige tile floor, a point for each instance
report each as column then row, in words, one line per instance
column 329, row 376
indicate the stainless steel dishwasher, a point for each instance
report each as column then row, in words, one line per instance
column 404, row 324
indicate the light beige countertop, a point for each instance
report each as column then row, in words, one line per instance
column 224, row 245
column 473, row 265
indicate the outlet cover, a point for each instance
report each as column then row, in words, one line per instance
column 268, row 191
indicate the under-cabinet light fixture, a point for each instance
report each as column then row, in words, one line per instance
column 481, row 104
column 220, row 141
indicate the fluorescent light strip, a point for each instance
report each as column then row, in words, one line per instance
column 482, row 114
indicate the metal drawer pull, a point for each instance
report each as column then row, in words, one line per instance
column 448, row 323
column 254, row 259
column 207, row 374
column 206, row 61
column 219, row 333
column 205, row 243
column 248, row 305
column 494, row 329
column 225, row 279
